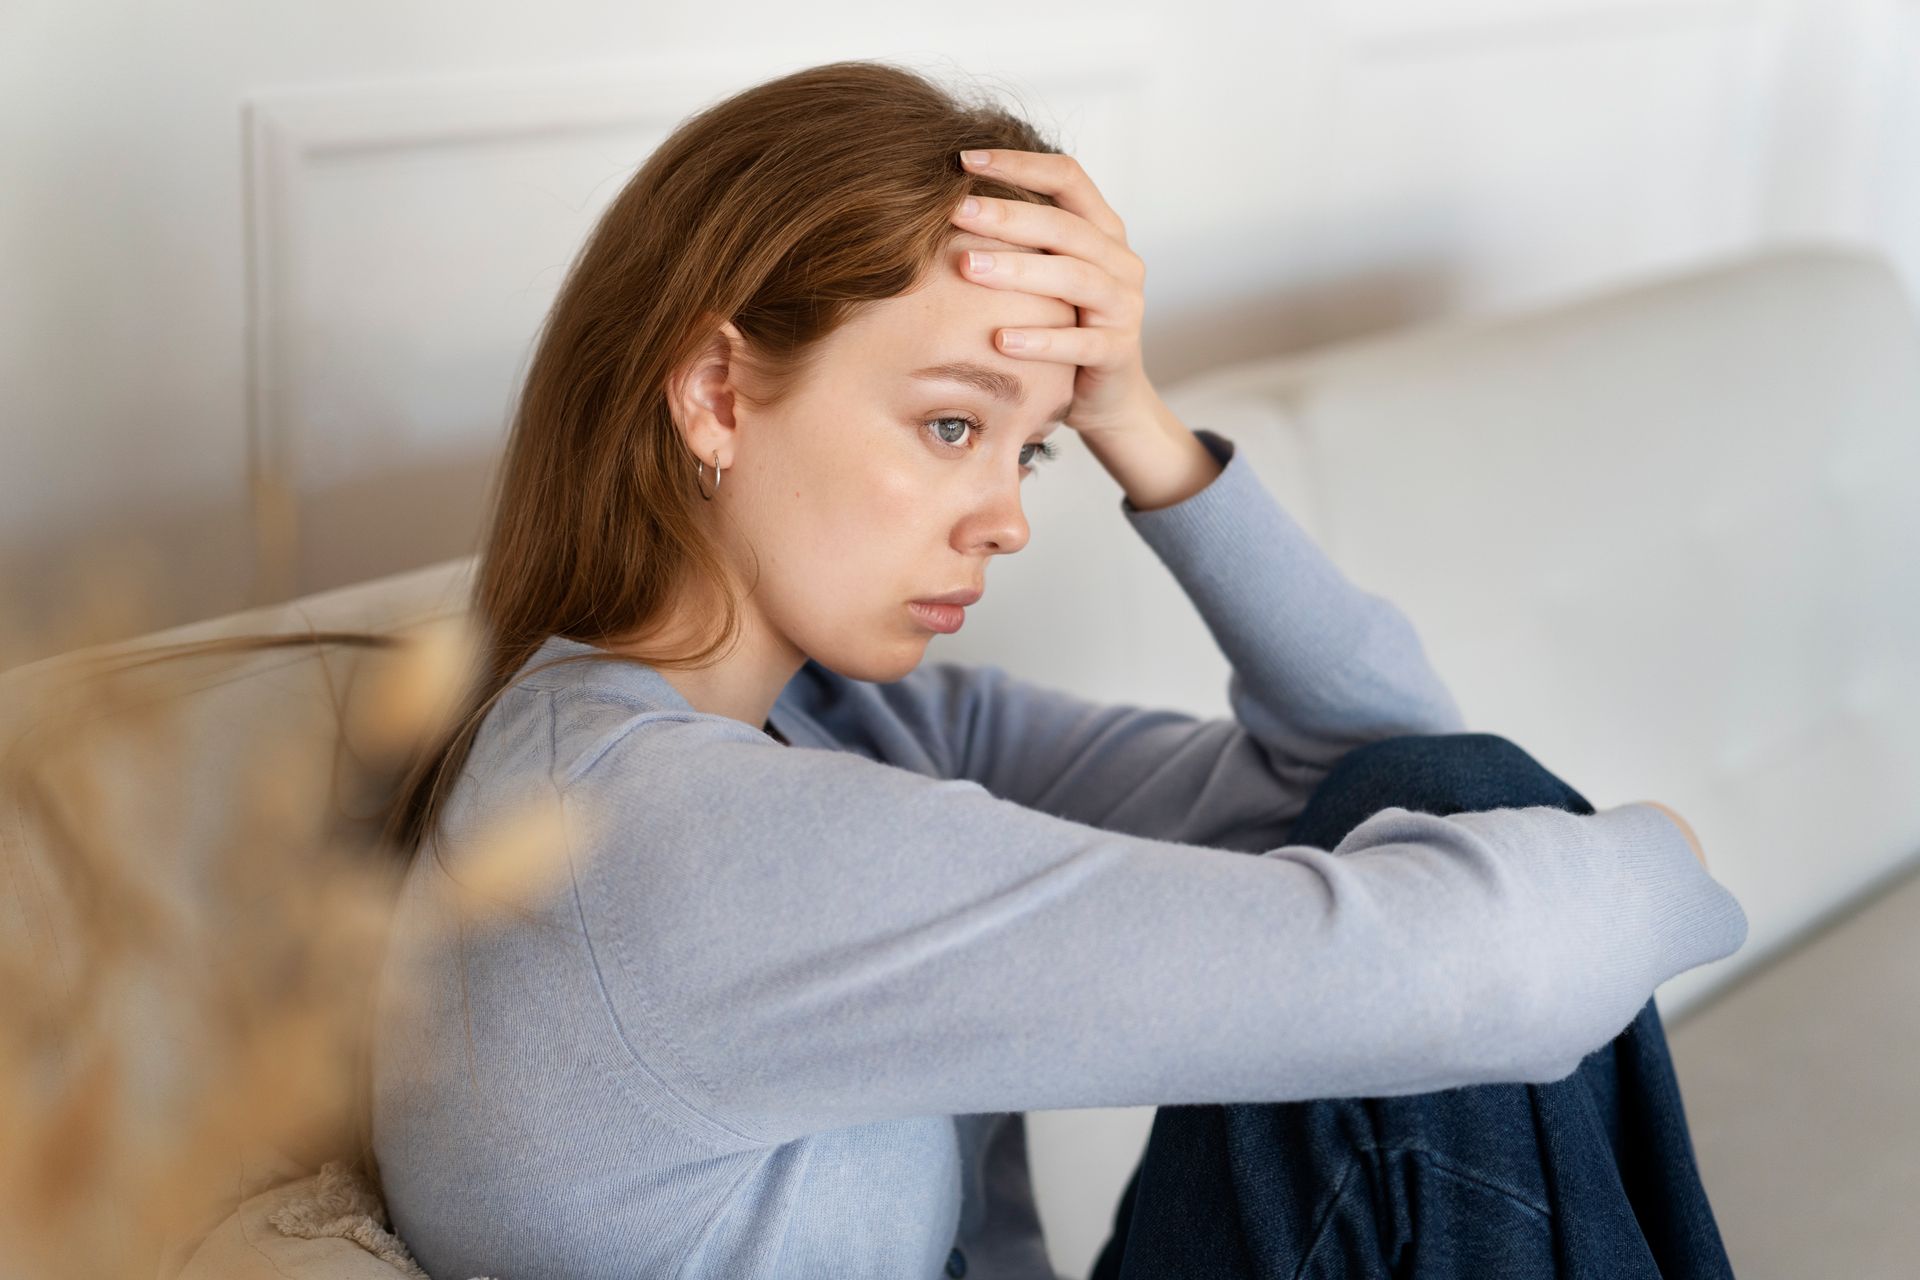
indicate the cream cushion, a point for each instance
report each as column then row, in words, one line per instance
column 329, row 1225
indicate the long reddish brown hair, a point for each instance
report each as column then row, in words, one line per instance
column 785, row 208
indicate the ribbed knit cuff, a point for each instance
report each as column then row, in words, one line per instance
column 1694, row 919
column 1195, row 505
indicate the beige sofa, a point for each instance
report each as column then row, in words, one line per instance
column 1687, row 506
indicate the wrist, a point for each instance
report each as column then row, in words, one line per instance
column 1157, row 461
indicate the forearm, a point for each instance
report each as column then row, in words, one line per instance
column 1157, row 463
column 1322, row 665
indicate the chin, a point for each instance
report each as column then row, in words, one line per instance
column 877, row 665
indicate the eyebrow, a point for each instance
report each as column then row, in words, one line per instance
column 1001, row 386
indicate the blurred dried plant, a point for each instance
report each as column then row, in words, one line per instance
column 192, row 981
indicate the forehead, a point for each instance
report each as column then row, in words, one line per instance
column 948, row 316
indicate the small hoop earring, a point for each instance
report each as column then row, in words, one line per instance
column 699, row 468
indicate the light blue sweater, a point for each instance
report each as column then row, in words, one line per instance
column 783, row 1016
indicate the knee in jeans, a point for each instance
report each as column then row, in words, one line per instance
column 1446, row 773
column 1427, row 746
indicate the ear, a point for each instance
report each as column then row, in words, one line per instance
column 701, row 394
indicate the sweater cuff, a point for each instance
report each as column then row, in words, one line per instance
column 1200, row 505
column 1694, row 919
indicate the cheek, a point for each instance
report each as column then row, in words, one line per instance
column 860, row 524
column 841, row 507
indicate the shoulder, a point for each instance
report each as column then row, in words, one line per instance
column 620, row 740
column 597, row 739
column 595, row 713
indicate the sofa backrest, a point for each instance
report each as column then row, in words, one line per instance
column 223, row 715
column 1664, row 536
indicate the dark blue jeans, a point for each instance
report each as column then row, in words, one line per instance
column 1587, row 1178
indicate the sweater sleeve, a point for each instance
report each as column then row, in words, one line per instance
column 1318, row 667
column 794, row 939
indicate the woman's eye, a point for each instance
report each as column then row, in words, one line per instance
column 1044, row 451
column 940, row 432
column 949, row 436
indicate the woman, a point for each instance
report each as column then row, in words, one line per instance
column 834, row 917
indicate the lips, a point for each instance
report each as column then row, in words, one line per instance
column 964, row 596
column 944, row 618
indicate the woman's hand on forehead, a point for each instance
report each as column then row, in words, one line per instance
column 1084, row 262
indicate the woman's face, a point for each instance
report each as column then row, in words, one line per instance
column 862, row 491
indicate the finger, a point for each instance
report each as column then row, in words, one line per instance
column 1055, row 174
column 1057, row 230
column 1093, row 348
column 1073, row 280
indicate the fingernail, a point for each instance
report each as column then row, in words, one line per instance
column 969, row 207
column 977, row 159
column 977, row 261
column 1012, row 340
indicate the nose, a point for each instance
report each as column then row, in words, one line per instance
column 998, row 524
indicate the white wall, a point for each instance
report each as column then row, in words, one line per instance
column 270, row 274
column 254, row 250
